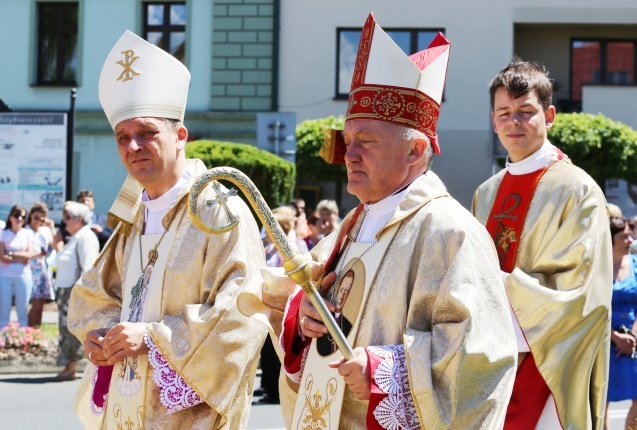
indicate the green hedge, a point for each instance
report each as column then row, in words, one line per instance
column 273, row 176
column 309, row 138
column 602, row 147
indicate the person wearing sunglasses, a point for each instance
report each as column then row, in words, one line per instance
column 16, row 249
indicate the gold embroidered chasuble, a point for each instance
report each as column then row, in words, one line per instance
column 439, row 292
column 561, row 287
column 200, row 332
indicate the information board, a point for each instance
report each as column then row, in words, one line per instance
column 33, row 161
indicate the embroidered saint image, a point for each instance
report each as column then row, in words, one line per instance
column 128, row 381
column 347, row 299
column 505, row 238
column 342, row 293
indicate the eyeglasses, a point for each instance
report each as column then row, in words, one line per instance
column 19, row 216
column 40, row 218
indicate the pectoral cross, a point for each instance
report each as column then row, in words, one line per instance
column 221, row 199
column 136, row 291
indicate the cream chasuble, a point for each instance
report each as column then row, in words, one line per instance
column 320, row 396
column 437, row 291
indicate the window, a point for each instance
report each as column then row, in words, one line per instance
column 57, row 43
column 165, row 26
column 605, row 62
column 410, row 41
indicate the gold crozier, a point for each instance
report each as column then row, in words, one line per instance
column 320, row 397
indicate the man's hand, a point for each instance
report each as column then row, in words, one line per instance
column 309, row 319
column 126, row 339
column 625, row 343
column 97, row 229
column 93, row 347
column 355, row 373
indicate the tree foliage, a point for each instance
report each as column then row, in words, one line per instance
column 602, row 147
column 273, row 176
column 309, row 138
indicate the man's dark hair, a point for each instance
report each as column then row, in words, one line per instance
column 84, row 193
column 520, row 77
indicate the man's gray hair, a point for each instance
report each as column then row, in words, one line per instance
column 173, row 123
column 78, row 210
column 410, row 134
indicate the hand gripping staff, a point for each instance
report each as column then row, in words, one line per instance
column 295, row 264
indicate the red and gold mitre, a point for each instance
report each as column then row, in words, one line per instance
column 390, row 86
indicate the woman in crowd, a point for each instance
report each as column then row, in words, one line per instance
column 313, row 224
column 77, row 256
column 328, row 213
column 16, row 249
column 44, row 231
column 622, row 381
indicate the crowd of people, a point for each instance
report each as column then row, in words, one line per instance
column 40, row 263
column 303, row 233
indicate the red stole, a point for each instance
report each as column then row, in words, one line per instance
column 341, row 242
column 505, row 225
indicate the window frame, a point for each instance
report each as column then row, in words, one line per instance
column 603, row 61
column 61, row 32
column 413, row 41
column 166, row 28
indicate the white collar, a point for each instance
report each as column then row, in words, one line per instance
column 388, row 204
column 534, row 162
column 163, row 202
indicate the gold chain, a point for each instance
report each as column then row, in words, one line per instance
column 153, row 254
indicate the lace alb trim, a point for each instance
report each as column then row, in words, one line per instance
column 174, row 392
column 397, row 410
column 94, row 408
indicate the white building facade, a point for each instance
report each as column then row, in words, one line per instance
column 249, row 56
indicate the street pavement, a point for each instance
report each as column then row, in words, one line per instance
column 34, row 402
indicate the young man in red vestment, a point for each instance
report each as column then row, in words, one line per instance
column 548, row 221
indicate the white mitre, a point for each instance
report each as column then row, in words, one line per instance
column 139, row 79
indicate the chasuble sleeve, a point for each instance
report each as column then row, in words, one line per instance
column 459, row 345
column 96, row 298
column 202, row 335
column 560, row 291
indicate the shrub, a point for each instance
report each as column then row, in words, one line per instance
column 274, row 177
column 602, row 147
column 309, row 138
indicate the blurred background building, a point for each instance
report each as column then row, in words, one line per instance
column 296, row 57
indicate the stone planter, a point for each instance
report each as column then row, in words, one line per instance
column 13, row 361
